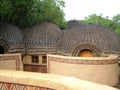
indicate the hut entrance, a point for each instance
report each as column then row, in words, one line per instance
column 86, row 53
column 1, row 50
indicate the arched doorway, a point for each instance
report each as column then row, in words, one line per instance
column 86, row 53
column 1, row 50
column 87, row 50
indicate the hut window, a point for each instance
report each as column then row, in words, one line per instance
column 86, row 53
column 44, row 59
column 1, row 50
column 35, row 59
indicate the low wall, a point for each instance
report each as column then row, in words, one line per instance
column 11, row 61
column 21, row 80
column 102, row 70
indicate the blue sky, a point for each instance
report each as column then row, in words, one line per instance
column 78, row 9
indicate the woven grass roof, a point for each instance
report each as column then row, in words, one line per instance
column 74, row 23
column 11, row 37
column 89, row 37
column 42, row 37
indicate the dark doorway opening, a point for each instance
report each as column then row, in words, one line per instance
column 1, row 50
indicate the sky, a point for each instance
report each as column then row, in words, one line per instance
column 79, row 9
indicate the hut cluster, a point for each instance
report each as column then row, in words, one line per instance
column 78, row 39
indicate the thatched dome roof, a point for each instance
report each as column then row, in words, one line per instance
column 94, row 37
column 74, row 23
column 11, row 37
column 42, row 38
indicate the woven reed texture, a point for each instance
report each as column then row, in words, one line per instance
column 46, row 37
column 11, row 37
column 93, row 37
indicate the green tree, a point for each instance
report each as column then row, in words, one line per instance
column 116, row 20
column 28, row 12
column 98, row 19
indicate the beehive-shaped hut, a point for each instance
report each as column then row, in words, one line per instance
column 42, row 38
column 74, row 23
column 11, row 38
column 89, row 40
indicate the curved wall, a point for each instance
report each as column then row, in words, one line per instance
column 19, row 80
column 102, row 70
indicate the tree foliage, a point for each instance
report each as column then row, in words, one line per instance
column 116, row 21
column 113, row 23
column 25, row 13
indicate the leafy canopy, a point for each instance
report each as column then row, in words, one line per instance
column 113, row 23
column 26, row 13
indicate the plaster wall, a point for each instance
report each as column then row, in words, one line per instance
column 8, row 64
column 27, row 59
column 102, row 70
column 21, row 80
column 11, row 61
column 119, row 65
